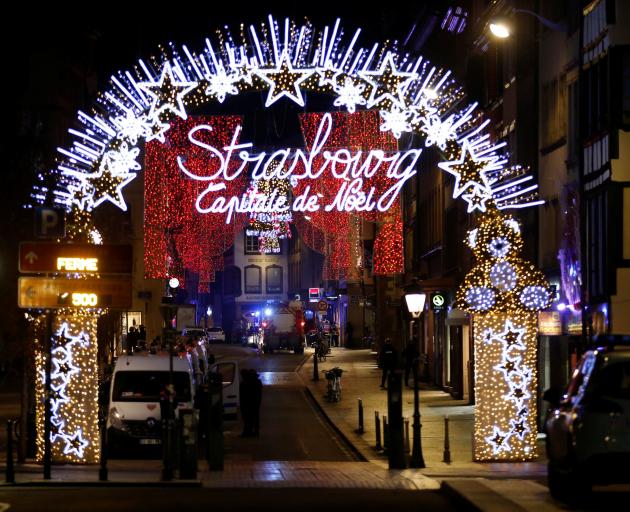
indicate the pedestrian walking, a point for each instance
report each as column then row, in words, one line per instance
column 387, row 360
column 410, row 360
column 334, row 330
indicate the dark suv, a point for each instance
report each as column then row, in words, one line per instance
column 588, row 428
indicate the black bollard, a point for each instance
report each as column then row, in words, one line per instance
column 10, row 476
column 360, row 430
column 377, row 430
column 385, row 435
column 447, row 444
column 407, row 445
column 315, row 369
column 103, row 472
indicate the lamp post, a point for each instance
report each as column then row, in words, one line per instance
column 501, row 27
column 169, row 310
column 415, row 298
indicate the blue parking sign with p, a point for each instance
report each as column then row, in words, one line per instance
column 50, row 222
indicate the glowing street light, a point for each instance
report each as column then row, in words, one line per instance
column 500, row 30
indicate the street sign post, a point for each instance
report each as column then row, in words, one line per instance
column 438, row 301
column 50, row 222
column 49, row 293
column 48, row 257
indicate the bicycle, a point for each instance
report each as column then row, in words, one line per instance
column 333, row 377
column 321, row 351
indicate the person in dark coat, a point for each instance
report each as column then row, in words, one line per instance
column 349, row 333
column 247, row 396
column 387, row 360
column 251, row 397
column 132, row 340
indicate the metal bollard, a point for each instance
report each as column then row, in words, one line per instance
column 385, row 434
column 315, row 368
column 103, row 472
column 447, row 444
column 407, row 446
column 377, row 429
column 360, row 430
column 10, row 475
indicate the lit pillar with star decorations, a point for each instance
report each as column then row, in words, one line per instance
column 504, row 293
column 74, row 432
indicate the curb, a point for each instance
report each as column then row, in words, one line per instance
column 471, row 494
column 108, row 483
column 357, row 453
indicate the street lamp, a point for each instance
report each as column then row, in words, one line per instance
column 501, row 28
column 415, row 298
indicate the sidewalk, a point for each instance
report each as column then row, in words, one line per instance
column 482, row 486
column 361, row 379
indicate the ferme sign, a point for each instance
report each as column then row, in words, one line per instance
column 48, row 257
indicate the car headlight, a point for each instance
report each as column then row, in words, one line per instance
column 115, row 419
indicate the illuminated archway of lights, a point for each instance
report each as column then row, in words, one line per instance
column 286, row 61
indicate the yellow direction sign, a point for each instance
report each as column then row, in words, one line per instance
column 44, row 292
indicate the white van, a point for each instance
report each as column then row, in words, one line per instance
column 231, row 381
column 134, row 417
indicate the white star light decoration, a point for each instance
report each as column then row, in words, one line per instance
column 168, row 93
column 107, row 185
column 499, row 441
column 469, row 172
column 284, row 81
column 75, row 444
column 476, row 199
column 387, row 83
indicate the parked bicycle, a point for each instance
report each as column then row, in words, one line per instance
column 333, row 377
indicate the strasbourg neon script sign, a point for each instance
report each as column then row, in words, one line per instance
column 353, row 170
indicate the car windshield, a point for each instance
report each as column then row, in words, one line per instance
column 215, row 329
column 614, row 381
column 146, row 386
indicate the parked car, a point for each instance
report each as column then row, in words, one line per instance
column 215, row 334
column 588, row 427
column 194, row 333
